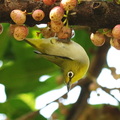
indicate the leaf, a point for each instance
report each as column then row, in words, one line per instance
column 22, row 67
column 14, row 108
column 4, row 40
column 23, row 76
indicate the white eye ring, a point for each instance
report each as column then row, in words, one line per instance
column 70, row 74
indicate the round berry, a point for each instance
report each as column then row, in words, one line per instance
column 116, row 31
column 49, row 2
column 56, row 26
column 20, row 32
column 68, row 4
column 1, row 28
column 38, row 15
column 107, row 32
column 18, row 16
column 97, row 39
column 12, row 28
column 47, row 32
column 56, row 14
column 65, row 33
column 115, row 43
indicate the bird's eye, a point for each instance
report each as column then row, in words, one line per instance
column 70, row 74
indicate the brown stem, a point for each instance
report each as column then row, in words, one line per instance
column 28, row 116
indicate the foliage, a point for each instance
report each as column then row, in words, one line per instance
column 21, row 71
column 20, row 74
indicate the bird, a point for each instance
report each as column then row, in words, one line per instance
column 69, row 56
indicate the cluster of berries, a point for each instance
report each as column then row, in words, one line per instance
column 19, row 30
column 55, row 27
column 98, row 38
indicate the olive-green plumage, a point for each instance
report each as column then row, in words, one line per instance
column 70, row 57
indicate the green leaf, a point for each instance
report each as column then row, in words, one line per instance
column 14, row 108
column 24, row 76
column 4, row 40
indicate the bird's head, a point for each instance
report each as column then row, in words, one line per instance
column 74, row 73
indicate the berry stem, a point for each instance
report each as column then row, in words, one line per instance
column 66, row 20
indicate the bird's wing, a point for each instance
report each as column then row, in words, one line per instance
column 58, row 60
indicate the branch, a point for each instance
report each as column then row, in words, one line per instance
column 78, row 108
column 29, row 115
column 94, row 14
column 108, row 91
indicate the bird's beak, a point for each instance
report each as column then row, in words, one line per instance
column 68, row 86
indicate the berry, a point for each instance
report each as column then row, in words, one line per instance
column 116, row 31
column 47, row 32
column 38, row 15
column 115, row 43
column 97, row 39
column 107, row 32
column 12, row 28
column 56, row 13
column 68, row 4
column 49, row 2
column 18, row 16
column 56, row 26
column 65, row 33
column 20, row 32
column 1, row 28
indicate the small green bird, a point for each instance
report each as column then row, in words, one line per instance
column 70, row 57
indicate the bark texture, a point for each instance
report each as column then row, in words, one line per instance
column 95, row 14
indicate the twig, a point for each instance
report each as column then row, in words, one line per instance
column 28, row 116
column 108, row 91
